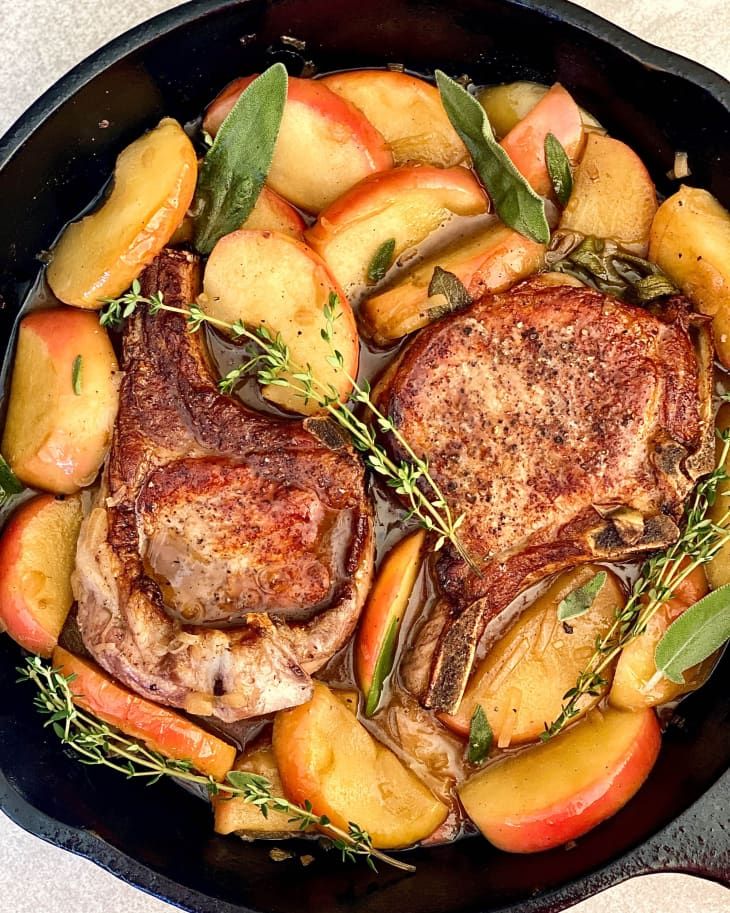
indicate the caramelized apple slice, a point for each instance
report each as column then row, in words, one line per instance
column 378, row 630
column 506, row 105
column 270, row 280
column 163, row 730
column 406, row 110
column 325, row 145
column 63, row 400
column 636, row 666
column 272, row 213
column 402, row 206
column 554, row 792
column 613, row 195
column 325, row 756
column 154, row 182
column 491, row 261
column 555, row 113
column 37, row 553
column 521, row 682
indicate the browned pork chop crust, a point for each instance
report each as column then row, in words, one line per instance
column 229, row 552
column 565, row 425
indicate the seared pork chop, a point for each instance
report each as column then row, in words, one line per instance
column 565, row 425
column 229, row 552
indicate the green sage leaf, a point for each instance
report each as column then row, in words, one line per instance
column 76, row 375
column 10, row 484
column 236, row 165
column 695, row 635
column 480, row 736
column 558, row 167
column 516, row 203
column 381, row 262
column 383, row 666
column 452, row 288
column 579, row 601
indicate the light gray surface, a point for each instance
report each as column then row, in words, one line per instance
column 39, row 41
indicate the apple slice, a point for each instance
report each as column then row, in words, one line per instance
column 491, row 261
column 506, row 105
column 378, row 630
column 554, row 792
column 613, row 195
column 63, row 400
column 555, row 113
column 161, row 729
column 521, row 681
column 636, row 665
column 406, row 110
column 272, row 213
column 268, row 279
column 325, row 145
column 154, row 182
column 37, row 554
column 325, row 756
column 235, row 815
column 403, row 206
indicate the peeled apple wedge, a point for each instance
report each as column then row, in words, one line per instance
column 99, row 256
column 554, row 792
column 690, row 241
column 521, row 681
column 327, row 757
column 63, row 400
column 636, row 666
column 490, row 261
column 37, row 555
column 325, row 145
column 380, row 621
column 161, row 729
column 718, row 569
column 555, row 113
column 406, row 110
column 269, row 279
column 403, row 205
column 613, row 195
column 235, row 815
column 508, row 104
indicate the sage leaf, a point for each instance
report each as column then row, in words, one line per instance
column 516, row 203
column 579, row 601
column 383, row 665
column 381, row 262
column 10, row 484
column 236, row 165
column 452, row 288
column 695, row 635
column 76, row 375
column 558, row 167
column 480, row 736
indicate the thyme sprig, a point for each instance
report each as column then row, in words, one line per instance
column 659, row 578
column 270, row 359
column 96, row 743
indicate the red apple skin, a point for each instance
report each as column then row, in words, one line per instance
column 548, row 825
column 367, row 150
column 17, row 615
column 555, row 113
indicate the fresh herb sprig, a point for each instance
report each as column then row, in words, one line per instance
column 96, row 743
column 270, row 360
column 658, row 581
column 604, row 265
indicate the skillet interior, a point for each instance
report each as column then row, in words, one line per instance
column 160, row 838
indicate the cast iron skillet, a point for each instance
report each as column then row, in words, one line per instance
column 57, row 157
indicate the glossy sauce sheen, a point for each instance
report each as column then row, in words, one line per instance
column 399, row 712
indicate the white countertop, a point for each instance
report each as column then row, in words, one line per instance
column 38, row 878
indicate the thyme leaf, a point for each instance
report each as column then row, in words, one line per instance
column 10, row 484
column 480, row 736
column 96, row 743
column 76, row 375
column 381, row 262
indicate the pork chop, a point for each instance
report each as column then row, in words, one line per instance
column 229, row 552
column 565, row 425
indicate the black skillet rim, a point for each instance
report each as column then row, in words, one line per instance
column 684, row 834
